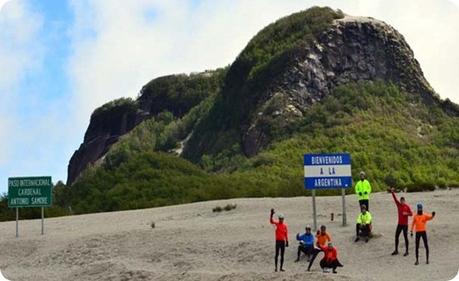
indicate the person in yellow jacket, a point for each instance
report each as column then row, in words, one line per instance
column 363, row 226
column 363, row 190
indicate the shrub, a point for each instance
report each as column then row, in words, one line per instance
column 230, row 207
column 418, row 187
column 217, row 209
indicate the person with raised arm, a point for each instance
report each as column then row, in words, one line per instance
column 404, row 211
column 281, row 235
column 419, row 225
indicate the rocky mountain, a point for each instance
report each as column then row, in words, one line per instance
column 173, row 93
column 350, row 49
column 314, row 81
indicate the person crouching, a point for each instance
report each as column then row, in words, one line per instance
column 363, row 226
column 306, row 243
column 330, row 259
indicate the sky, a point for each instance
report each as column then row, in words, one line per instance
column 61, row 59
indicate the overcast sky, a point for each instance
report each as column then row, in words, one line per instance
column 59, row 60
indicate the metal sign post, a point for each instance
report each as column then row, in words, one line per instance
column 17, row 222
column 42, row 220
column 314, row 208
column 343, row 196
column 327, row 171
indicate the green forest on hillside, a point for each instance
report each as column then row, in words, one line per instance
column 264, row 58
column 390, row 135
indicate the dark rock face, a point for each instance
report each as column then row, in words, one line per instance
column 174, row 93
column 354, row 49
column 103, row 131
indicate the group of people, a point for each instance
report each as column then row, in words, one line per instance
column 323, row 241
column 306, row 245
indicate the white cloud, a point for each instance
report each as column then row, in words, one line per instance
column 118, row 46
column 19, row 29
column 430, row 27
column 34, row 131
column 121, row 49
column 2, row 2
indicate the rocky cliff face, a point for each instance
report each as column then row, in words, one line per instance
column 174, row 93
column 353, row 49
column 105, row 128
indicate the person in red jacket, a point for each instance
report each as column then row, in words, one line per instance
column 330, row 259
column 281, row 239
column 404, row 211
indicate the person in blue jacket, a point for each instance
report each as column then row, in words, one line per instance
column 306, row 243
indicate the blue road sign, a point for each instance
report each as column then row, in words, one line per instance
column 323, row 171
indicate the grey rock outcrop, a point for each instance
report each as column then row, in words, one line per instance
column 353, row 49
column 174, row 93
column 104, row 130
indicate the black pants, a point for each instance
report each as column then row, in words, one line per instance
column 362, row 230
column 307, row 249
column 422, row 234
column 280, row 246
column 399, row 229
column 330, row 264
column 314, row 254
column 365, row 202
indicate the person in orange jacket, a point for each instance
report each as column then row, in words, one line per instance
column 330, row 259
column 322, row 237
column 419, row 224
column 281, row 239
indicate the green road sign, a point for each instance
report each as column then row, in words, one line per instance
column 29, row 192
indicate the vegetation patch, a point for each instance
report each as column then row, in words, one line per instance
column 228, row 207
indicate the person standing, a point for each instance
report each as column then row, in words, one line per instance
column 363, row 226
column 281, row 239
column 363, row 190
column 419, row 225
column 330, row 259
column 404, row 211
column 306, row 243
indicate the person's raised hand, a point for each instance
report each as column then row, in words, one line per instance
column 272, row 212
column 433, row 214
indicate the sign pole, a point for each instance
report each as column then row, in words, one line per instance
column 42, row 220
column 17, row 224
column 343, row 196
column 314, row 208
